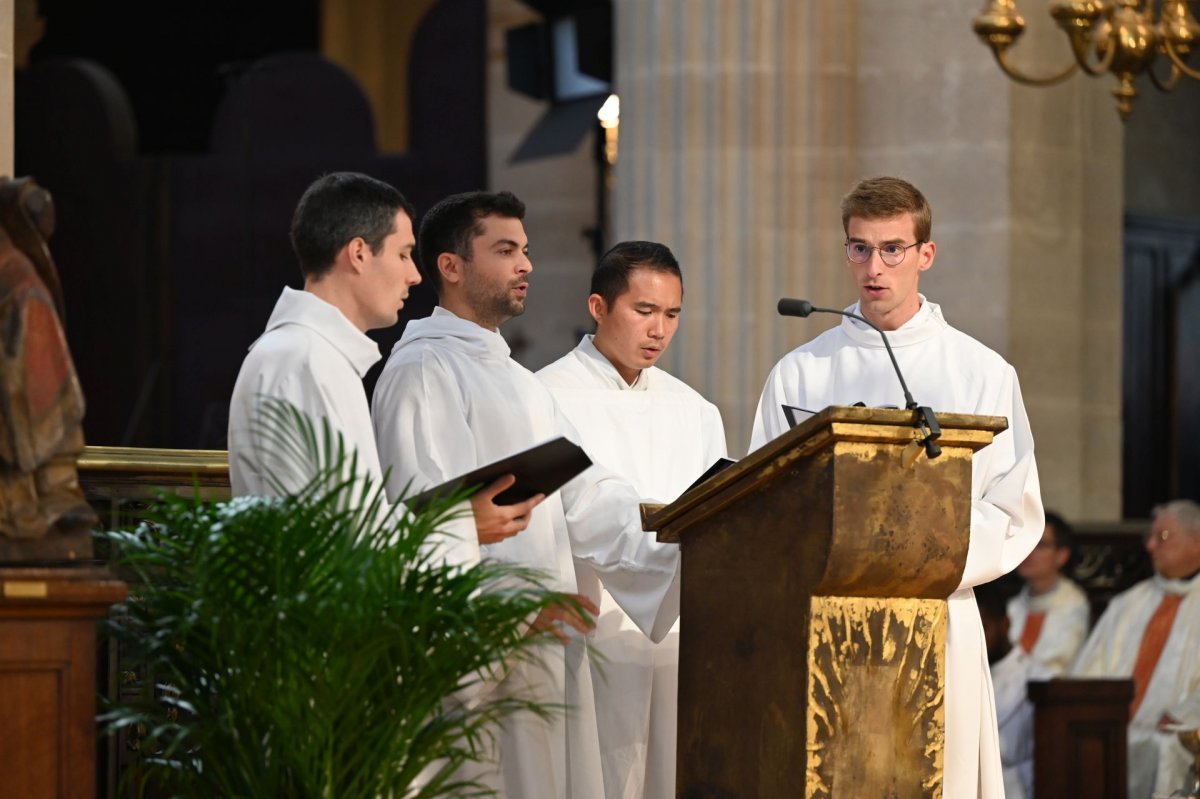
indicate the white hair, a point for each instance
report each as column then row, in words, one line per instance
column 1184, row 511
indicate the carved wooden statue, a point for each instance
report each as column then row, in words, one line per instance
column 43, row 513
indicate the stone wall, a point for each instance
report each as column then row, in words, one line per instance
column 744, row 122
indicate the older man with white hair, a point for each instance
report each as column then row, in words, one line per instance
column 1151, row 633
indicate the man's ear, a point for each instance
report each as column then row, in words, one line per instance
column 450, row 267
column 926, row 253
column 597, row 307
column 357, row 251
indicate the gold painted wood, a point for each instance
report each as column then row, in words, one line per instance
column 875, row 666
column 25, row 589
column 116, row 473
column 815, row 573
column 871, row 425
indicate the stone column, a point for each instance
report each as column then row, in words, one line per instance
column 6, row 87
column 1026, row 189
column 745, row 121
column 736, row 142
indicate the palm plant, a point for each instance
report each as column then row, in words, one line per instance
column 314, row 645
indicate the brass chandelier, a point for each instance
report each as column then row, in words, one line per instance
column 1122, row 37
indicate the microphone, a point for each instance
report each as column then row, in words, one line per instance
column 925, row 421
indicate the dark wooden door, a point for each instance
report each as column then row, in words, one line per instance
column 1161, row 362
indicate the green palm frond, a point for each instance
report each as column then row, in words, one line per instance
column 313, row 645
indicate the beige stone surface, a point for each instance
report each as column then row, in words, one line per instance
column 730, row 149
column 559, row 194
column 744, row 122
column 6, row 87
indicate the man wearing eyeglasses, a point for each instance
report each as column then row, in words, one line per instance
column 888, row 222
column 1151, row 632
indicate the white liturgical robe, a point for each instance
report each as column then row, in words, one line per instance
column 1064, row 626
column 313, row 357
column 451, row 399
column 660, row 435
column 1158, row 763
column 951, row 372
column 1014, row 714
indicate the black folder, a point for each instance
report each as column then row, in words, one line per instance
column 541, row 469
column 796, row 415
column 720, row 465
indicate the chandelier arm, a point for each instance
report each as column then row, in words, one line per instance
column 1168, row 83
column 1178, row 63
column 1011, row 71
column 1079, row 47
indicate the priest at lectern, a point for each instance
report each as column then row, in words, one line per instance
column 887, row 223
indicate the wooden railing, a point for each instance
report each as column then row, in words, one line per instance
column 122, row 484
column 137, row 472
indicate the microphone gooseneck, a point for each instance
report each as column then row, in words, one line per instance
column 925, row 420
column 802, row 308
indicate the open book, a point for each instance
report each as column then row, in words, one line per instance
column 541, row 469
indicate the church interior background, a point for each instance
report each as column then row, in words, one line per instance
column 1068, row 241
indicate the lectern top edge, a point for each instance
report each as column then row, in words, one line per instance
column 961, row 429
column 897, row 416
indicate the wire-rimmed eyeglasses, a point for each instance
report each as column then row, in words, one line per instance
column 892, row 254
column 1159, row 536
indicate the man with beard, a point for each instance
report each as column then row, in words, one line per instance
column 353, row 237
column 450, row 399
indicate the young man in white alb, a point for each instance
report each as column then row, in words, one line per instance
column 887, row 222
column 451, row 399
column 658, row 433
column 353, row 236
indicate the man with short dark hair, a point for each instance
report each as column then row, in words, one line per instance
column 1151, row 632
column 450, row 399
column 887, row 223
column 659, row 434
column 353, row 237
column 1049, row 616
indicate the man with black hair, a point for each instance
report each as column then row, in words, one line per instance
column 1049, row 616
column 353, row 237
column 658, row 433
column 450, row 399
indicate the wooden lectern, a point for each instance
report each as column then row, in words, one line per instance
column 815, row 577
column 1080, row 737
